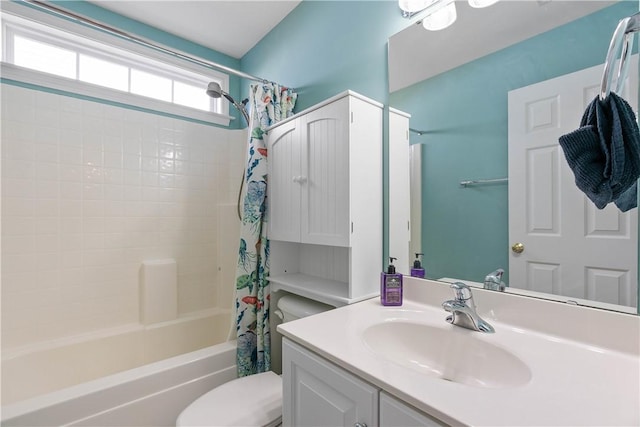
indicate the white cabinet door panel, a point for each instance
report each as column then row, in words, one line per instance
column 325, row 195
column 285, row 178
column 399, row 188
column 395, row 413
column 317, row 393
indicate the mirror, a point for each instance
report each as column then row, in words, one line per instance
column 455, row 85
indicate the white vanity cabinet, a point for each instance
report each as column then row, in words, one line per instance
column 317, row 392
column 325, row 200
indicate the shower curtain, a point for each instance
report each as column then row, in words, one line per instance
column 270, row 103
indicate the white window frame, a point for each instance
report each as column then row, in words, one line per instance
column 43, row 27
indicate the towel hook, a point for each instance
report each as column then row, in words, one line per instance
column 622, row 36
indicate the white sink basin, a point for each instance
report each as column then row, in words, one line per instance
column 448, row 353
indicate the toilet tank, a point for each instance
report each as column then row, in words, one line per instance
column 292, row 307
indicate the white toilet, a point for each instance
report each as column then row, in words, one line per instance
column 227, row 404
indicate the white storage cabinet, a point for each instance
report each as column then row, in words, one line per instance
column 325, row 200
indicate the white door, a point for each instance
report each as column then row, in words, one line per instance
column 570, row 248
column 325, row 190
column 285, row 181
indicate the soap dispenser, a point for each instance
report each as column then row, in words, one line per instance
column 391, row 286
column 417, row 270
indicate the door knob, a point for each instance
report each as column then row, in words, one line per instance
column 517, row 248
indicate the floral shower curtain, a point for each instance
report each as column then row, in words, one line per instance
column 270, row 103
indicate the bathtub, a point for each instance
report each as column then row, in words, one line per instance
column 144, row 384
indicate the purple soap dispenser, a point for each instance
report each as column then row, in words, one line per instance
column 391, row 286
column 417, row 270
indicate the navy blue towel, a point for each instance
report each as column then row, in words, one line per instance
column 604, row 153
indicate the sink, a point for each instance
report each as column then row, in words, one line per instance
column 448, row 353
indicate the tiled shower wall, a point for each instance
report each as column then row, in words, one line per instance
column 91, row 190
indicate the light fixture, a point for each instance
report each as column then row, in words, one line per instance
column 481, row 3
column 413, row 6
column 438, row 14
column 441, row 18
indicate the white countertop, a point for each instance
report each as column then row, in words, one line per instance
column 584, row 363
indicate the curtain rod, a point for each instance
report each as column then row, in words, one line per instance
column 120, row 33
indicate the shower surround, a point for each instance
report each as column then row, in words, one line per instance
column 89, row 192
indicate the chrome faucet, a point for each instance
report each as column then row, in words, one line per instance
column 463, row 310
column 494, row 281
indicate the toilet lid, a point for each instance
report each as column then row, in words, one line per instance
column 255, row 400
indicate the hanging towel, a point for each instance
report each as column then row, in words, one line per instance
column 604, row 153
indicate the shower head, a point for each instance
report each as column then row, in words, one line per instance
column 215, row 91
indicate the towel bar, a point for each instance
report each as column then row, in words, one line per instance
column 622, row 36
column 419, row 132
column 483, row 181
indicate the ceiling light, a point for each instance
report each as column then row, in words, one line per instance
column 441, row 18
column 481, row 3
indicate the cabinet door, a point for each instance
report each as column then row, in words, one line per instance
column 399, row 184
column 285, row 180
column 325, row 163
column 395, row 413
column 318, row 393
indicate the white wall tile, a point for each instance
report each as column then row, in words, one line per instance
column 46, row 152
column 89, row 191
column 46, row 171
column 18, row 207
column 12, row 168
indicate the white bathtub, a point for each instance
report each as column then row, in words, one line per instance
column 144, row 392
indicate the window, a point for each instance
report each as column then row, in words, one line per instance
column 43, row 57
column 47, row 51
column 104, row 73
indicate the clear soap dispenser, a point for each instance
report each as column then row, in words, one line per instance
column 391, row 286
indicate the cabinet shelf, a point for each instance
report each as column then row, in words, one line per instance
column 330, row 292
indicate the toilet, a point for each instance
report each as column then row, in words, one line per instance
column 227, row 404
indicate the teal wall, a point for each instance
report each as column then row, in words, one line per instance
column 465, row 230
column 325, row 47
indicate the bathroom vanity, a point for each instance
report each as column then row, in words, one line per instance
column 321, row 393
column 548, row 363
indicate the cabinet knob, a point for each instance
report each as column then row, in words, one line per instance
column 360, row 425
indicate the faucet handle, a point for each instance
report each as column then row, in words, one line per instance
column 495, row 276
column 494, row 281
column 461, row 291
